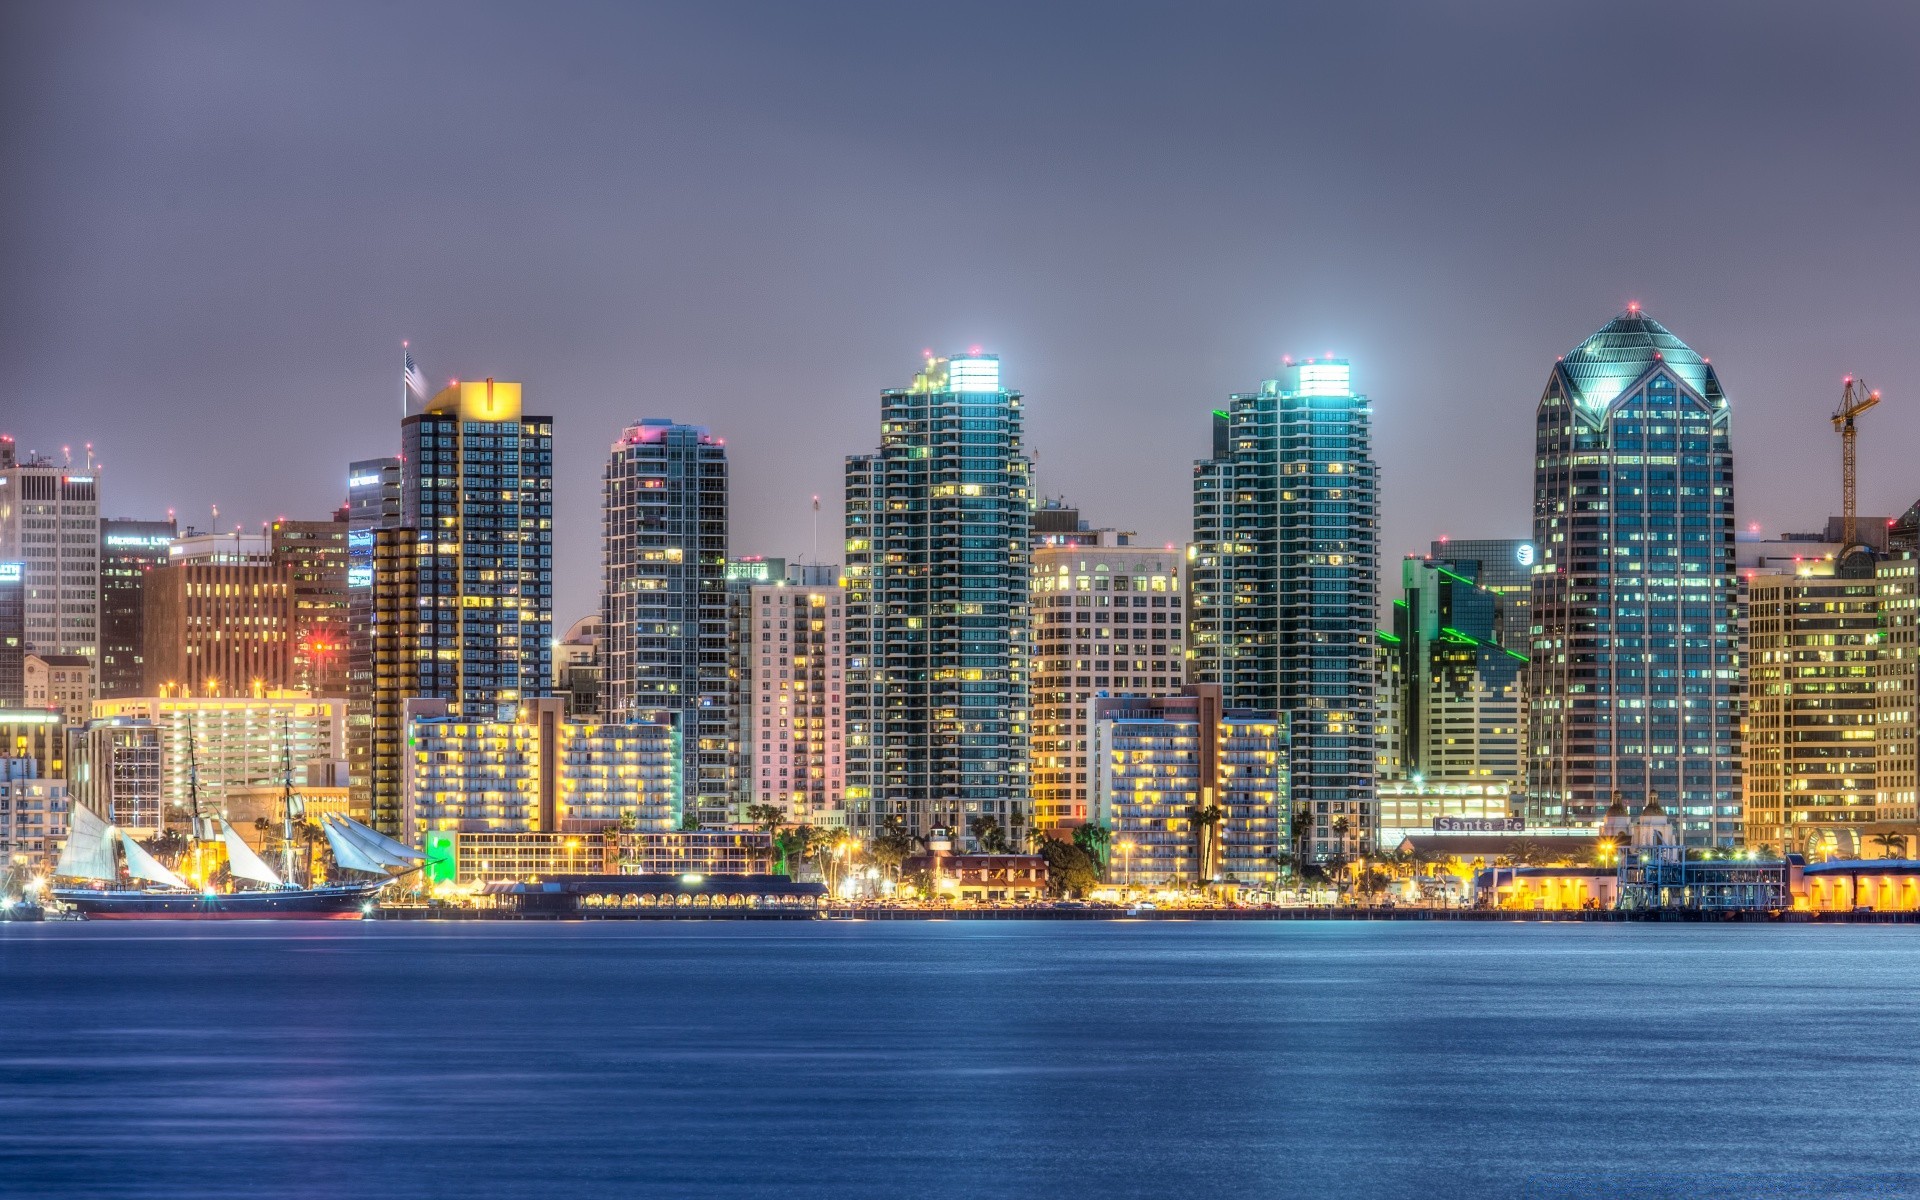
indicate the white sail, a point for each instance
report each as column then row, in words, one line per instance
column 379, row 846
column 242, row 861
column 142, row 865
column 88, row 853
column 346, row 854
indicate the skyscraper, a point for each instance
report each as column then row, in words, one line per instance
column 373, row 503
column 1284, row 584
column 129, row 549
column 478, row 494
column 50, row 525
column 1634, row 675
column 13, row 635
column 938, row 554
column 663, row 644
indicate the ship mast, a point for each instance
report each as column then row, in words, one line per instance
column 287, row 802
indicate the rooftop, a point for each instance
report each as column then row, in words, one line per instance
column 1604, row 364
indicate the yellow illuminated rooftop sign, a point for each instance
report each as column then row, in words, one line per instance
column 487, row 400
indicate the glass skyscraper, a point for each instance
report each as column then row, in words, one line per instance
column 663, row 641
column 1635, row 666
column 938, row 552
column 1285, row 584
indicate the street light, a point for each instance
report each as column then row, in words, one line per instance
column 1126, row 864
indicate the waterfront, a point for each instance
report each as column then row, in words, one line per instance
column 958, row 1059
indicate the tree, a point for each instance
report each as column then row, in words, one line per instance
column 891, row 846
column 768, row 817
column 1892, row 845
column 1206, row 828
column 1096, row 840
column 792, row 844
column 1071, row 871
column 168, row 846
column 689, row 822
column 987, row 832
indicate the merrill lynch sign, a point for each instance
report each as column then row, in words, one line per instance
column 1479, row 825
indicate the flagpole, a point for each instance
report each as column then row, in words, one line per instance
column 403, row 379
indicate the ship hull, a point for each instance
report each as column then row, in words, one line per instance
column 344, row 902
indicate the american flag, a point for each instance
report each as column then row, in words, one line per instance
column 412, row 379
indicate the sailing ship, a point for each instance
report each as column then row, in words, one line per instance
column 90, row 855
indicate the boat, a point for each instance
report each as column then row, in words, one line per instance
column 161, row 894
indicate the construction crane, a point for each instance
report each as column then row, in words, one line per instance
column 1854, row 400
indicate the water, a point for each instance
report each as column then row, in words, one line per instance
column 958, row 1059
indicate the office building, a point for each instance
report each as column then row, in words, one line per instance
column 663, row 639
column 1814, row 645
column 1502, row 566
column 219, row 744
column 13, row 634
column 1635, row 664
column 478, row 494
column 50, row 525
column 1107, row 617
column 1896, row 695
column 130, row 549
column 938, row 624
column 1189, row 791
column 394, row 629
column 536, row 772
column 60, row 681
column 795, row 741
column 314, row 555
column 218, row 618
column 373, row 503
column 1460, row 690
column 1284, row 582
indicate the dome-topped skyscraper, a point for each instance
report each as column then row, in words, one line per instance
column 1634, row 673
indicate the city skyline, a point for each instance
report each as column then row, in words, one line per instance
column 621, row 279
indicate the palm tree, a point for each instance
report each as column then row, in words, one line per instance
column 1892, row 845
column 1206, row 823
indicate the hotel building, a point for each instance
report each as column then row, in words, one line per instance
column 1107, row 617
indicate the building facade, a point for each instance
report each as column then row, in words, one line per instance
column 60, row 681
column 1284, row 582
column 663, row 641
column 1189, row 791
column 374, row 502
column 314, row 555
column 130, row 549
column 795, row 729
column 1107, row 617
column 50, row 525
column 1635, row 675
column 33, row 820
column 938, row 527
column 13, row 634
column 115, row 770
column 536, row 773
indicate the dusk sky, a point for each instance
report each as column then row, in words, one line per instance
column 223, row 219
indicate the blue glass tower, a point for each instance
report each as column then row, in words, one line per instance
column 1635, row 666
column 1285, row 583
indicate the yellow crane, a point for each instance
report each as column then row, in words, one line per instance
column 1854, row 400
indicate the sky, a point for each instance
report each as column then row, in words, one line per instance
column 221, row 221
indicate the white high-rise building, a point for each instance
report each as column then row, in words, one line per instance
column 795, row 735
column 50, row 523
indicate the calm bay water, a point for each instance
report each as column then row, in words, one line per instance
column 958, row 1059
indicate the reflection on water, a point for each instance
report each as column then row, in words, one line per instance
column 957, row 1059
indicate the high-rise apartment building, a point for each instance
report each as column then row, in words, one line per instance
column 1284, row 583
column 50, row 525
column 129, row 550
column 218, row 618
column 1189, row 792
column 663, row 642
column 478, row 494
column 1814, row 645
column 1634, row 677
column 938, row 560
column 1107, row 616
column 794, row 733
column 376, row 766
column 314, row 554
